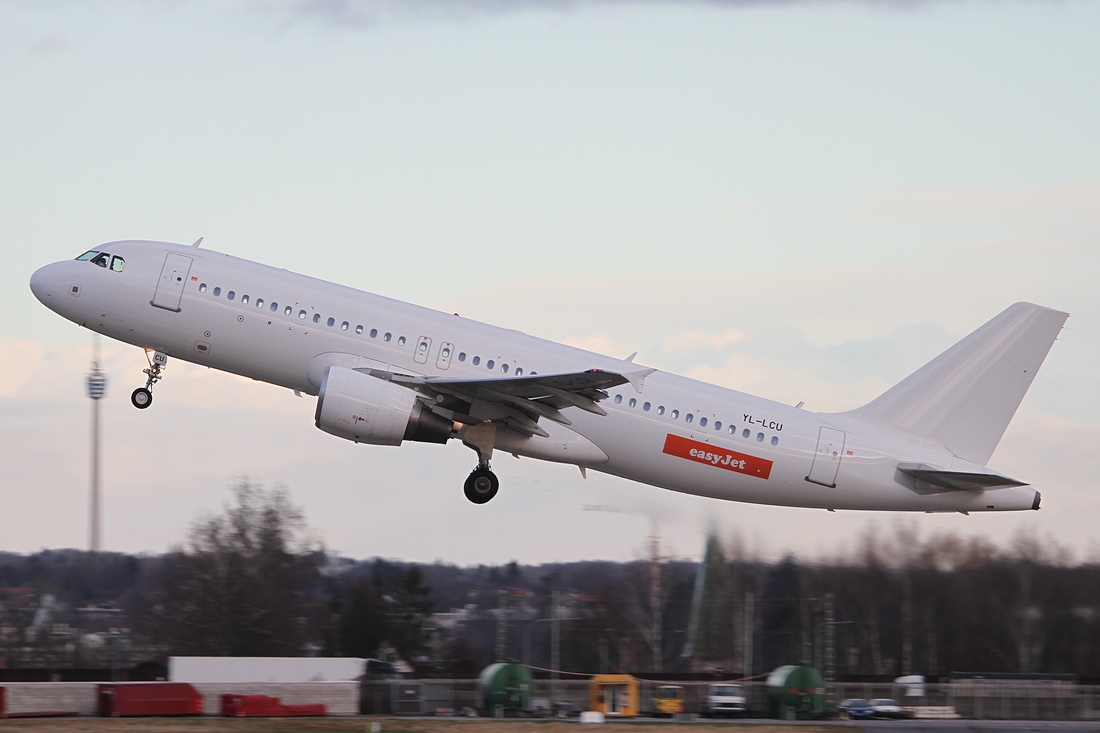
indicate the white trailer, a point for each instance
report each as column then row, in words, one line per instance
column 198, row 670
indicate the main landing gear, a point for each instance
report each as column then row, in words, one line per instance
column 142, row 397
column 482, row 483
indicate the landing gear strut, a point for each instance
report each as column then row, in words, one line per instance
column 142, row 397
column 482, row 483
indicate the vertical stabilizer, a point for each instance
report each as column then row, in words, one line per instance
column 967, row 395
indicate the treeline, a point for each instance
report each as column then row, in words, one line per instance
column 254, row 582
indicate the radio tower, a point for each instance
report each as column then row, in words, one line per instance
column 97, row 388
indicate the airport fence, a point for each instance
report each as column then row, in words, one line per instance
column 970, row 699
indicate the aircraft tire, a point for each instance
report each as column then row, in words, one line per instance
column 481, row 485
column 141, row 398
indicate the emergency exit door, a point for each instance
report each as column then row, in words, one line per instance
column 830, row 449
column 173, row 278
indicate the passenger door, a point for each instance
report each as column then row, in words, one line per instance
column 830, row 448
column 173, row 277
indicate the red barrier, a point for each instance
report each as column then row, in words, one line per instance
column 265, row 706
column 305, row 710
column 151, row 698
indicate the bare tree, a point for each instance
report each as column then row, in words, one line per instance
column 243, row 585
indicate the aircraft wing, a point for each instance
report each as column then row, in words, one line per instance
column 519, row 402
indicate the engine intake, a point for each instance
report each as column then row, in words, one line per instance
column 365, row 409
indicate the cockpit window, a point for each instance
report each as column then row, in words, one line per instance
column 102, row 259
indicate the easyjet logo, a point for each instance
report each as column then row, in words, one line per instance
column 730, row 460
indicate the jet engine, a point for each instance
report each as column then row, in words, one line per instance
column 359, row 407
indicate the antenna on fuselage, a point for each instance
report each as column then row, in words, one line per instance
column 198, row 241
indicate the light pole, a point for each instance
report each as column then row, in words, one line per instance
column 97, row 389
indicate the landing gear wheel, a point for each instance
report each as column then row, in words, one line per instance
column 141, row 398
column 481, row 485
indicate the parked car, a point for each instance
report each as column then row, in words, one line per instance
column 724, row 700
column 886, row 708
column 668, row 700
column 856, row 708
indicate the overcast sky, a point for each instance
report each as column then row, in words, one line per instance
column 803, row 200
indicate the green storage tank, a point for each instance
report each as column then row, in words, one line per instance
column 505, row 690
column 797, row 692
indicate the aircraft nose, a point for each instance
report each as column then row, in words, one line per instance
column 44, row 284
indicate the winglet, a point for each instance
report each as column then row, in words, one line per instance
column 198, row 241
column 637, row 379
column 631, row 357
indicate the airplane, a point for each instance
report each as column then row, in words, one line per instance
column 385, row 371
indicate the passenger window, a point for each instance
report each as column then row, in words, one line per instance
column 490, row 364
column 230, row 295
column 702, row 422
column 746, row 433
column 330, row 322
column 244, row 300
column 359, row 330
column 759, row 437
column 288, row 310
column 102, row 260
column 675, row 414
column 660, row 409
column 717, row 424
column 217, row 292
column 259, row 302
column 316, row 317
column 117, row 264
column 374, row 333
column 301, row 315
column 476, row 360
column 689, row 417
column 732, row 430
column 775, row 440
column 633, row 402
column 519, row 371
column 344, row 326
column 462, row 356
column 202, row 287
column 387, row 337
column 504, row 368
column 401, row 341
column 646, row 407
column 618, row 399
column 274, row 307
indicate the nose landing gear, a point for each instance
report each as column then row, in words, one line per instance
column 142, row 397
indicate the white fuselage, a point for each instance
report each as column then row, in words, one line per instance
column 677, row 433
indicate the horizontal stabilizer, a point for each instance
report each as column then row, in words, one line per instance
column 966, row 396
column 958, row 480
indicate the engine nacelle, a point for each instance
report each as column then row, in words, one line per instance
column 366, row 409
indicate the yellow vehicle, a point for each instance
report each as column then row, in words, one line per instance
column 668, row 700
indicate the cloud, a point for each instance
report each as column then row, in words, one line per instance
column 371, row 13
column 49, row 45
